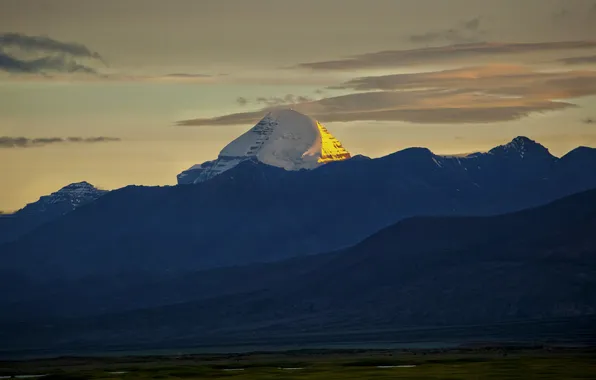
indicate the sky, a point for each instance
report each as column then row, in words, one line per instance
column 133, row 92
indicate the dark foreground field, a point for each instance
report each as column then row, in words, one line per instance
column 470, row 363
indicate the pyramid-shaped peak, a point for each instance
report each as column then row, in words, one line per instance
column 283, row 138
column 79, row 185
column 523, row 147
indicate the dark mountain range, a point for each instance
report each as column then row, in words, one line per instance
column 537, row 264
column 256, row 212
column 46, row 209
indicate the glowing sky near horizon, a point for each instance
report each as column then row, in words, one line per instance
column 184, row 60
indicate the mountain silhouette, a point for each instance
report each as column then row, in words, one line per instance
column 258, row 213
column 423, row 272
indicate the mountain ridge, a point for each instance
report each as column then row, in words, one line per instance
column 256, row 212
column 535, row 265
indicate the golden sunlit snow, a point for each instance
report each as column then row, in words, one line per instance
column 331, row 148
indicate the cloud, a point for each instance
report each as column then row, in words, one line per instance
column 472, row 24
column 589, row 120
column 579, row 60
column 481, row 94
column 467, row 31
column 498, row 80
column 46, row 44
column 11, row 64
column 287, row 99
column 275, row 100
column 24, row 142
column 185, row 75
column 561, row 14
column 362, row 107
column 20, row 53
column 428, row 55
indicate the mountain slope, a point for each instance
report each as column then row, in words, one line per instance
column 535, row 264
column 538, row 263
column 46, row 209
column 256, row 212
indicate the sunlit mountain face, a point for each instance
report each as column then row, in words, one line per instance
column 284, row 138
column 331, row 148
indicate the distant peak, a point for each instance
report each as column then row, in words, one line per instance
column 581, row 152
column 79, row 185
column 522, row 146
column 419, row 151
column 521, row 142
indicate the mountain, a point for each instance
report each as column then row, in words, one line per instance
column 536, row 265
column 257, row 213
column 47, row 208
column 283, row 138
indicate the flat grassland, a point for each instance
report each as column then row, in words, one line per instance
column 472, row 363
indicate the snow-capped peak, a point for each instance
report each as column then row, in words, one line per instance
column 284, row 138
column 66, row 199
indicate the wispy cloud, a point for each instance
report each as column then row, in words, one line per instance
column 25, row 142
column 46, row 44
column 451, row 53
column 498, row 80
column 468, row 31
column 579, row 60
column 560, row 14
column 274, row 100
column 280, row 100
column 186, row 75
column 49, row 55
column 60, row 64
column 481, row 94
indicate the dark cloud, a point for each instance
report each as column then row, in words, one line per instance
column 24, row 142
column 61, row 64
column 480, row 94
column 185, row 75
column 579, row 60
column 275, row 100
column 287, row 99
column 49, row 55
column 561, row 14
column 467, row 32
column 46, row 44
column 472, row 24
column 429, row 55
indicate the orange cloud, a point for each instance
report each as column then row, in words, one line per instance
column 470, row 95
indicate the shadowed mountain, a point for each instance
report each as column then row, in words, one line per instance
column 421, row 272
column 46, row 209
column 255, row 212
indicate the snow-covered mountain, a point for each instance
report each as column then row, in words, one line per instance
column 283, row 138
column 64, row 200
column 47, row 208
